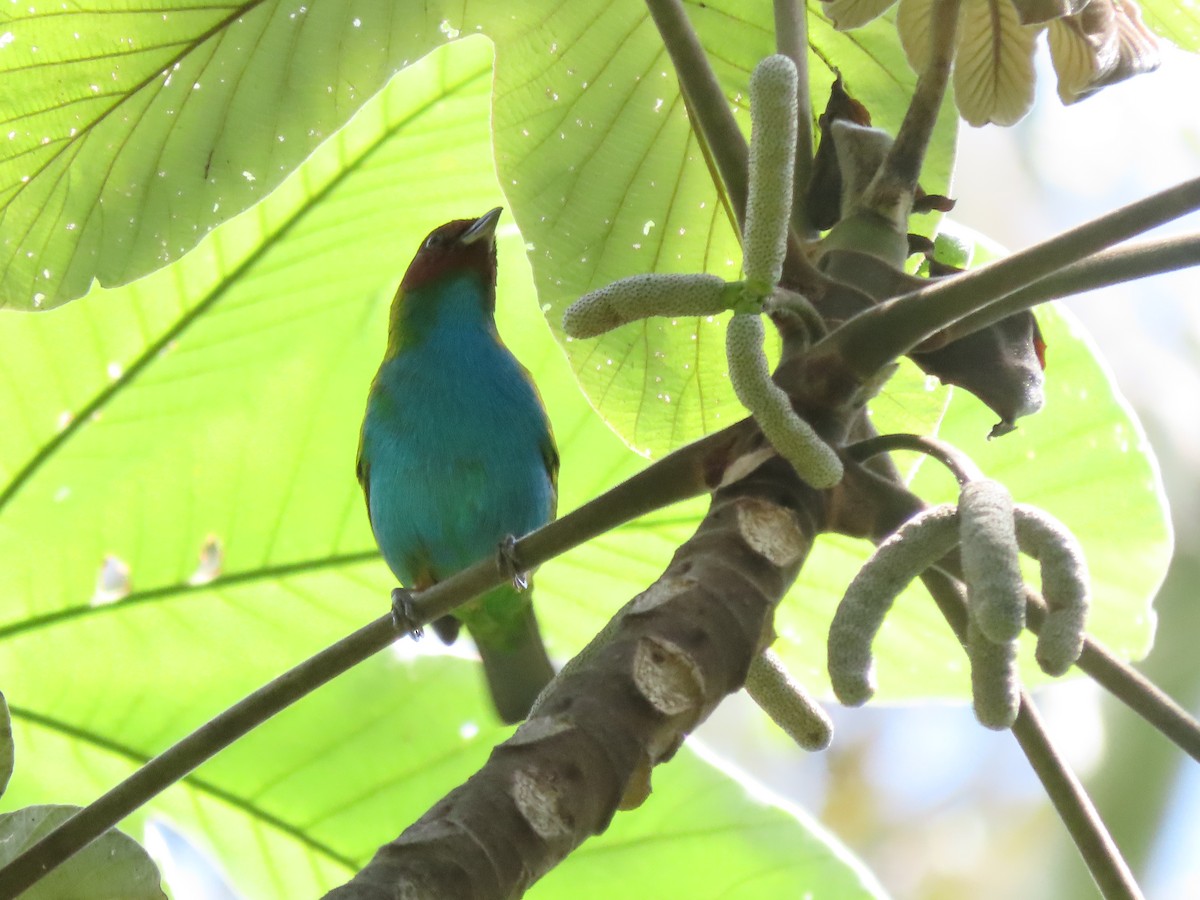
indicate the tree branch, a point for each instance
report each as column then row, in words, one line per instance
column 887, row 331
column 1074, row 807
column 624, row 705
column 1109, row 267
column 961, row 466
column 711, row 116
column 892, row 190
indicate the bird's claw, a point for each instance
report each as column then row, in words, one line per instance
column 404, row 615
column 509, row 565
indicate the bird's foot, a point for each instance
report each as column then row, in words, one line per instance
column 509, row 565
column 404, row 615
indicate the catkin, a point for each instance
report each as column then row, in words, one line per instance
column 787, row 703
column 995, row 686
column 914, row 547
column 797, row 442
column 995, row 589
column 642, row 296
column 1064, row 586
column 772, row 163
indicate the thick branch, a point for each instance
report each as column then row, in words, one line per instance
column 621, row 707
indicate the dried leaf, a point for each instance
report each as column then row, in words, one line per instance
column 1001, row 365
column 825, row 187
column 1106, row 43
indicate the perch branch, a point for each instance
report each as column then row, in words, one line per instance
column 687, row 472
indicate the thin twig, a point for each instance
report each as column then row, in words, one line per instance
column 713, row 119
column 791, row 39
column 719, row 134
column 892, row 190
column 960, row 465
column 885, row 332
column 1074, row 807
column 687, row 472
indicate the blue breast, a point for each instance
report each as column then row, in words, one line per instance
column 454, row 436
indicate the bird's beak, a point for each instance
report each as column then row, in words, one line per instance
column 483, row 228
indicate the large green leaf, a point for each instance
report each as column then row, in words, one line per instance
column 134, row 129
column 608, row 180
column 215, row 404
column 767, row 859
column 133, row 132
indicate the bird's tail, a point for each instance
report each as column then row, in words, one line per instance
column 514, row 658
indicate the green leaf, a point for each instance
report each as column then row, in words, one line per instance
column 607, row 180
column 193, row 114
column 136, row 130
column 1177, row 22
column 187, row 441
column 114, row 865
column 304, row 801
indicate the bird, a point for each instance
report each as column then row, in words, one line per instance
column 456, row 453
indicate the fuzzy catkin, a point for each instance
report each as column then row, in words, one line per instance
column 991, row 568
column 995, row 686
column 795, row 440
column 642, row 296
column 914, row 547
column 772, row 163
column 1064, row 586
column 790, row 707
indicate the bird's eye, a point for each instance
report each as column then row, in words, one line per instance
column 434, row 240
